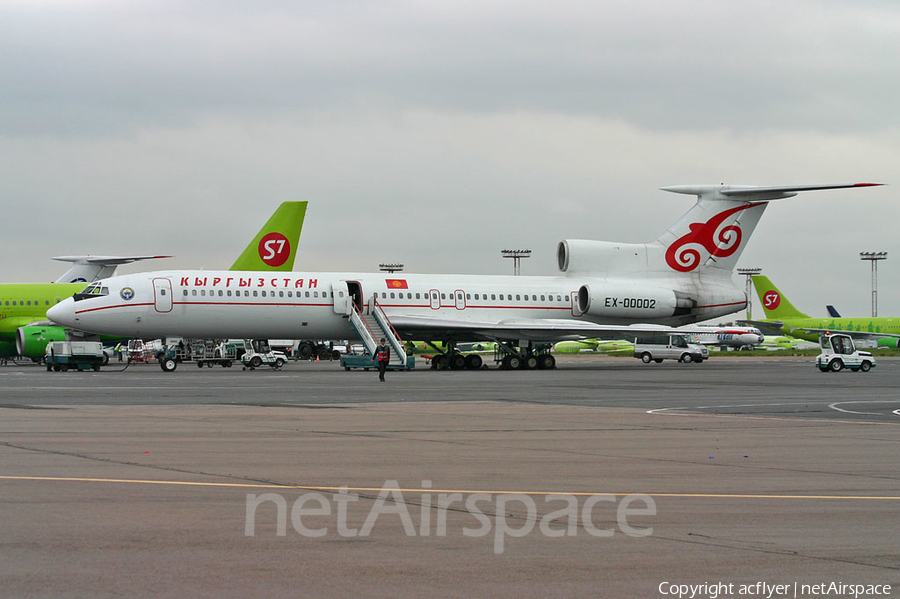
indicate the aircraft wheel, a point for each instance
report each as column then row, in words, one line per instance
column 646, row 358
column 865, row 366
column 686, row 358
column 546, row 362
column 304, row 351
column 530, row 363
column 457, row 361
column 439, row 362
column 512, row 362
column 835, row 365
column 474, row 362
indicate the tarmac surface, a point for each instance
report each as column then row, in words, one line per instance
column 223, row 482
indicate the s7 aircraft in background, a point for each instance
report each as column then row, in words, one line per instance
column 25, row 329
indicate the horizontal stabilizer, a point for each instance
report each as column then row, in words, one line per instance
column 92, row 268
column 755, row 193
column 105, row 260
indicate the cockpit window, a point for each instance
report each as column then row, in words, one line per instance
column 91, row 291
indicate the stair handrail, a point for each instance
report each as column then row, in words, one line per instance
column 364, row 330
column 387, row 325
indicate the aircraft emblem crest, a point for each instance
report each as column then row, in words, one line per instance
column 717, row 240
column 127, row 293
column 772, row 299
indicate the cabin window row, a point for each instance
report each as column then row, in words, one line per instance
column 255, row 293
column 26, row 303
column 477, row 296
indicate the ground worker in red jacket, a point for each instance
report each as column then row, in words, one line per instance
column 382, row 356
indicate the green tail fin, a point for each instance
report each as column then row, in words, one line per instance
column 275, row 246
column 775, row 304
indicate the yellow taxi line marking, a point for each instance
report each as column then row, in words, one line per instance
column 414, row 490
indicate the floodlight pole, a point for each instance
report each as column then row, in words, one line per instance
column 517, row 256
column 391, row 267
column 874, row 257
column 749, row 272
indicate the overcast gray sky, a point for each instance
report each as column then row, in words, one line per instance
column 436, row 134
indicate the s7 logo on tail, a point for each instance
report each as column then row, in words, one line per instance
column 771, row 299
column 274, row 249
column 718, row 241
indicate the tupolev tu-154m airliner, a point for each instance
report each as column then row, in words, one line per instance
column 605, row 289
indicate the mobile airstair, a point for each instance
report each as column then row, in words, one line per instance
column 372, row 324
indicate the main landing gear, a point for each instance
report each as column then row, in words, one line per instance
column 528, row 357
column 453, row 360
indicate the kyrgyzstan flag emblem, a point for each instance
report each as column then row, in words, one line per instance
column 396, row 283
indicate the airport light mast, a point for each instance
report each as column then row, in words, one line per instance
column 517, row 256
column 749, row 272
column 874, row 257
column 391, row 267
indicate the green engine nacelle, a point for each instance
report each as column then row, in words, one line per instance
column 31, row 341
column 892, row 342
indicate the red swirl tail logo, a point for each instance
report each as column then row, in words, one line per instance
column 274, row 249
column 718, row 241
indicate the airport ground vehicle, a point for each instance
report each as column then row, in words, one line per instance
column 209, row 353
column 671, row 347
column 306, row 349
column 80, row 355
column 365, row 361
column 257, row 353
column 839, row 352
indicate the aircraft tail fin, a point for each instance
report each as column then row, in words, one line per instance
column 774, row 303
column 275, row 246
column 832, row 311
column 715, row 231
column 86, row 269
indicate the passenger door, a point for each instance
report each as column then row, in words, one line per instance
column 162, row 295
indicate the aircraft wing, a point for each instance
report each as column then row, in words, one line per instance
column 764, row 324
column 854, row 334
column 426, row 328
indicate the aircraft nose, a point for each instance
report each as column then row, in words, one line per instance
column 63, row 313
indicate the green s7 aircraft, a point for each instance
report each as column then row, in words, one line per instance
column 784, row 317
column 25, row 330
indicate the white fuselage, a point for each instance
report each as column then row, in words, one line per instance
column 313, row 305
